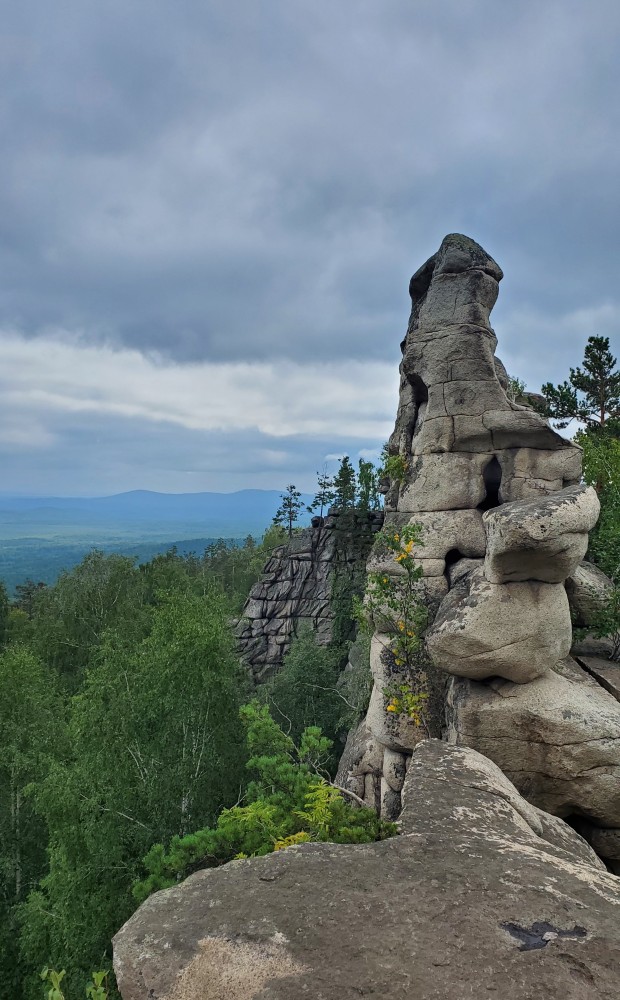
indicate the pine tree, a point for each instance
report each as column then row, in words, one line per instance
column 591, row 394
column 345, row 485
column 324, row 496
column 288, row 511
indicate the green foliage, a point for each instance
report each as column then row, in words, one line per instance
column 31, row 733
column 516, row 390
column 395, row 467
column 355, row 683
column 393, row 607
column 155, row 750
column 291, row 504
column 368, row 496
column 4, row 616
column 601, row 468
column 287, row 797
column 345, row 485
column 26, row 596
column 72, row 617
column 324, row 496
column 304, row 691
column 53, row 979
column 591, row 394
column 605, row 623
column 97, row 990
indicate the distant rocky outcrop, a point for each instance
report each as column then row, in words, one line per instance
column 481, row 895
column 298, row 586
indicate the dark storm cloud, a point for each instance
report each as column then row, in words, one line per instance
column 259, row 180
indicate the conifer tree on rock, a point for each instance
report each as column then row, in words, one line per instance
column 324, row 496
column 591, row 394
column 288, row 511
column 345, row 485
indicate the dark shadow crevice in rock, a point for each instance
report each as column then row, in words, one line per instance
column 606, row 673
column 492, row 475
column 453, row 557
column 419, row 392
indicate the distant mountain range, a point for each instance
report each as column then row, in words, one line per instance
column 41, row 536
column 141, row 514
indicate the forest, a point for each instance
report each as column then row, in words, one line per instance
column 133, row 749
column 128, row 727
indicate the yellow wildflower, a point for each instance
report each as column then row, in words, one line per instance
column 391, row 708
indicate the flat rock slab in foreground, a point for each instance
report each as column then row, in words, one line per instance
column 481, row 896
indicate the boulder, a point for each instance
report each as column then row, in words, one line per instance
column 444, row 482
column 557, row 738
column 473, row 899
column 529, row 473
column 588, row 589
column 512, row 630
column 542, row 539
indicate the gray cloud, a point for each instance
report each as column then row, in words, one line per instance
column 258, row 181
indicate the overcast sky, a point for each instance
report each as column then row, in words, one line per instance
column 210, row 211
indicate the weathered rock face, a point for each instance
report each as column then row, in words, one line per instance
column 504, row 524
column 470, row 456
column 556, row 738
column 513, row 630
column 543, row 539
column 587, row 588
column 297, row 585
column 482, row 894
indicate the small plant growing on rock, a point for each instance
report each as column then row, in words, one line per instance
column 396, row 467
column 392, row 606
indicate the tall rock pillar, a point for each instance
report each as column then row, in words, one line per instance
column 504, row 522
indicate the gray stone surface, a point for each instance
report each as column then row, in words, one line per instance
column 474, row 899
column 542, row 539
column 588, row 588
column 472, row 455
column 557, row 738
column 513, row 630
column 606, row 672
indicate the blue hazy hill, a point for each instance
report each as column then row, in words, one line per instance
column 41, row 536
column 141, row 514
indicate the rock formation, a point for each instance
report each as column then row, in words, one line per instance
column 481, row 895
column 504, row 524
column 297, row 587
column 487, row 891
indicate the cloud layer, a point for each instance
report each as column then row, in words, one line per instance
column 59, row 396
column 248, row 188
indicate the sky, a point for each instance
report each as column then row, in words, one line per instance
column 210, row 212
